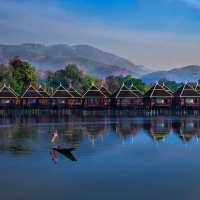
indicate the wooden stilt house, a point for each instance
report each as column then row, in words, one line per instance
column 94, row 97
column 139, row 100
column 76, row 100
column 197, row 88
column 124, row 98
column 45, row 101
column 187, row 97
column 61, row 98
column 8, row 98
column 107, row 93
column 31, row 98
column 158, row 97
column 167, row 88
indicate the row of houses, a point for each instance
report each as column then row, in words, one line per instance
column 158, row 96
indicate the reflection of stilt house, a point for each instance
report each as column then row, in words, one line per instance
column 94, row 97
column 8, row 98
column 124, row 97
column 127, row 128
column 31, row 98
column 189, row 128
column 187, row 97
column 159, row 128
column 61, row 98
column 95, row 130
column 158, row 97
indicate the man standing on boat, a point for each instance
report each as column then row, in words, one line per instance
column 54, row 137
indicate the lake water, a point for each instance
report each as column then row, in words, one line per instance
column 118, row 157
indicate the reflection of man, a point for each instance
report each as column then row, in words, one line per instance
column 54, row 137
column 67, row 152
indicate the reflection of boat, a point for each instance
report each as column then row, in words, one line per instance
column 67, row 152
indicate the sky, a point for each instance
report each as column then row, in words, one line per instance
column 159, row 34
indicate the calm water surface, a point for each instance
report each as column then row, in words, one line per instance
column 118, row 157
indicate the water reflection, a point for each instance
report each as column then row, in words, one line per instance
column 17, row 140
column 187, row 129
column 158, row 128
column 123, row 153
column 20, row 135
column 66, row 152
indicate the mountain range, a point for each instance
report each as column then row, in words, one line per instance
column 92, row 61
column 184, row 74
column 89, row 59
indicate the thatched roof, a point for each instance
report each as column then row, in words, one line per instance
column 43, row 92
column 124, row 92
column 105, row 91
column 167, row 88
column 136, row 91
column 31, row 92
column 158, row 91
column 61, row 92
column 186, row 91
column 197, row 88
column 7, row 92
column 74, row 92
column 94, row 92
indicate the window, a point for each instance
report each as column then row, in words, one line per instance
column 5, row 101
column 160, row 101
column 189, row 100
column 61, row 101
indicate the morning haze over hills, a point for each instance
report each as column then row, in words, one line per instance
column 91, row 60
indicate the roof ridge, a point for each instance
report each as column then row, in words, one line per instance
column 162, row 89
column 106, row 89
column 31, row 86
column 97, row 89
column 74, row 90
column 64, row 89
column 127, row 89
column 9, row 89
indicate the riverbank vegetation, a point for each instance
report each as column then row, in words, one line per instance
column 18, row 74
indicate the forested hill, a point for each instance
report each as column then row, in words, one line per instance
column 89, row 59
column 189, row 73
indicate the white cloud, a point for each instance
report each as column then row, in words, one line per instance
column 26, row 22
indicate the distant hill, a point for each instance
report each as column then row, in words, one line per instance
column 89, row 59
column 184, row 74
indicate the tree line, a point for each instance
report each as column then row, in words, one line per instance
column 19, row 74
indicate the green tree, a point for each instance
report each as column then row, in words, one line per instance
column 72, row 72
column 87, row 80
column 5, row 74
column 23, row 73
column 171, row 84
column 113, row 83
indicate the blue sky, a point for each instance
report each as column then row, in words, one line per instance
column 160, row 34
